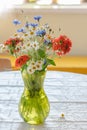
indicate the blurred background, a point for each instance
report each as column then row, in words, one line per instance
column 58, row 13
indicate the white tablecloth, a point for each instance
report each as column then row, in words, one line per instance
column 67, row 93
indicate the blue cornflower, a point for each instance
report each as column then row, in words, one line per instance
column 45, row 61
column 40, row 32
column 37, row 17
column 16, row 21
column 46, row 25
column 47, row 41
column 34, row 25
column 27, row 24
column 21, row 30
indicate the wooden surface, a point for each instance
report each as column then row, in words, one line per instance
column 67, row 93
column 5, row 64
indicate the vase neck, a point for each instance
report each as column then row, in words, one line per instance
column 33, row 83
column 33, row 93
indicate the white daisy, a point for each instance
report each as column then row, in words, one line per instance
column 31, row 33
column 24, row 48
column 3, row 48
column 30, row 70
column 35, row 45
column 34, row 67
column 1, row 45
column 39, row 65
column 25, row 38
column 32, row 63
column 29, row 45
column 40, row 62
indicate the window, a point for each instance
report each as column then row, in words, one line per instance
column 6, row 4
column 59, row 1
column 69, row 2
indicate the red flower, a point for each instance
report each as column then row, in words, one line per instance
column 61, row 45
column 20, row 61
column 12, row 41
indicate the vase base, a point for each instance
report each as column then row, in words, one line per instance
column 34, row 122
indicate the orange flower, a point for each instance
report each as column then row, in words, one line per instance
column 20, row 61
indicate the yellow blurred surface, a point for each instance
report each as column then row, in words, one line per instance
column 77, row 64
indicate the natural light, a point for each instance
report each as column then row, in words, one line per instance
column 7, row 4
column 58, row 1
column 69, row 1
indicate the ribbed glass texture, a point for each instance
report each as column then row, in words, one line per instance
column 34, row 106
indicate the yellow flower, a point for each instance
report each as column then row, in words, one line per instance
column 62, row 115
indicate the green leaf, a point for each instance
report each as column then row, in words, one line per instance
column 44, row 67
column 41, row 53
column 51, row 62
column 24, row 67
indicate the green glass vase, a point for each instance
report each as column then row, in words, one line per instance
column 34, row 106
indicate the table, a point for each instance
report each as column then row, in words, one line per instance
column 67, row 93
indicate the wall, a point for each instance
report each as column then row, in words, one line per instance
column 6, row 26
column 73, row 25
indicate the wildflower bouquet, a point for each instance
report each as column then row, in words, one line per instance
column 34, row 46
